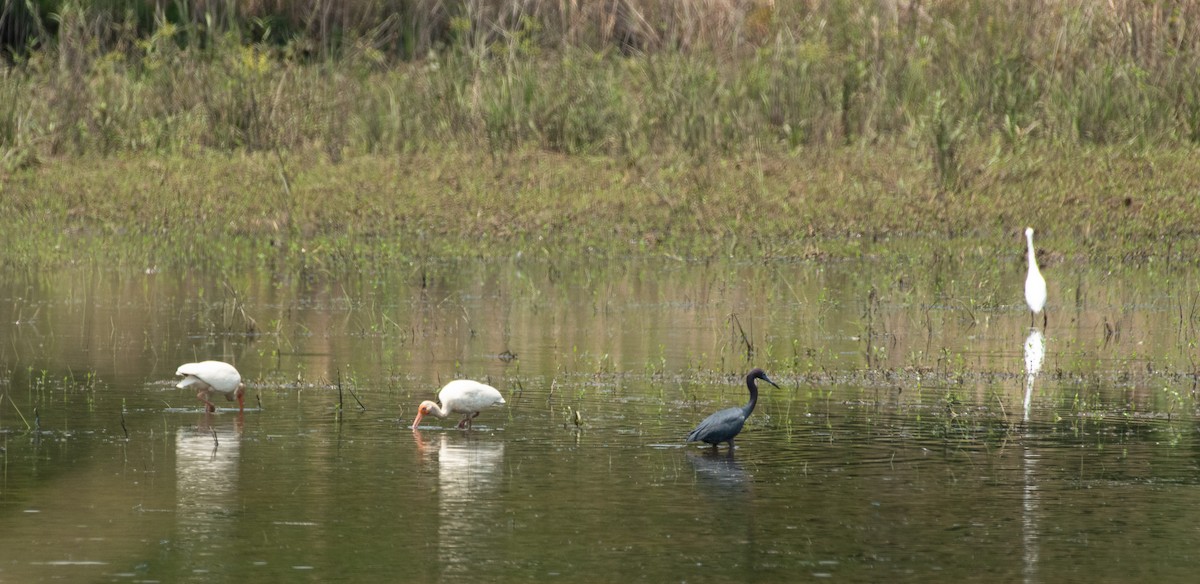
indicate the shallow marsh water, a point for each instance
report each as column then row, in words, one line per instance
column 900, row 447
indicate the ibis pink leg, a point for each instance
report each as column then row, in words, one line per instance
column 203, row 396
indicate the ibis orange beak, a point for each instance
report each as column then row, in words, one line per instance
column 417, row 420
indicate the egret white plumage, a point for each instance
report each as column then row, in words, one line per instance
column 208, row 377
column 724, row 425
column 1035, row 284
column 461, row 396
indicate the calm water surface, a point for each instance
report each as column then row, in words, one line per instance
column 922, row 432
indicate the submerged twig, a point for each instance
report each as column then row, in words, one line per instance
column 338, row 414
column 745, row 338
column 355, row 396
column 18, row 409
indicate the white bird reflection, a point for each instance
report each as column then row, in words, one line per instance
column 1029, row 515
column 206, row 482
column 469, row 474
column 1035, row 353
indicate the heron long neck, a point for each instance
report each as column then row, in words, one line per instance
column 749, row 407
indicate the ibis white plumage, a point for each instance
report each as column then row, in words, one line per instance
column 209, row 377
column 1035, row 284
column 461, row 396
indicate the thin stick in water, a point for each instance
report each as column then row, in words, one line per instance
column 355, row 396
column 338, row 415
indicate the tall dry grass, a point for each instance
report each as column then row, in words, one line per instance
column 616, row 77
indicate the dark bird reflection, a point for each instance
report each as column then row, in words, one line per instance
column 727, row 490
column 719, row 474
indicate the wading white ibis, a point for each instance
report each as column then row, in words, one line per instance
column 209, row 377
column 1035, row 284
column 461, row 396
column 724, row 425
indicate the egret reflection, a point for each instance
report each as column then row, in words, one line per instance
column 1029, row 514
column 1035, row 354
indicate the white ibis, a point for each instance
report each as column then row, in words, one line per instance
column 724, row 425
column 1035, row 284
column 461, row 396
column 208, row 377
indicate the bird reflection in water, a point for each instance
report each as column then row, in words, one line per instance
column 718, row 474
column 1035, row 354
column 206, row 491
column 727, row 491
column 469, row 475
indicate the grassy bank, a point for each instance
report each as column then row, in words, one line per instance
column 788, row 129
column 1095, row 205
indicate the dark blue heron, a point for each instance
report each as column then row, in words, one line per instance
column 724, row 425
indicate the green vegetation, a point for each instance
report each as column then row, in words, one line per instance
column 474, row 127
column 1096, row 205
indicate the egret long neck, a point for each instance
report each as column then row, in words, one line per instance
column 1032, row 258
